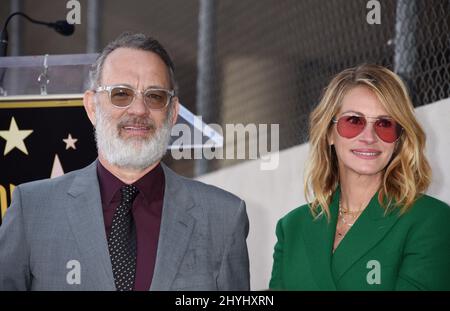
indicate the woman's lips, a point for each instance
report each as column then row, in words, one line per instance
column 368, row 154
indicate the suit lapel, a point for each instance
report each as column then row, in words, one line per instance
column 318, row 237
column 176, row 228
column 85, row 216
column 371, row 226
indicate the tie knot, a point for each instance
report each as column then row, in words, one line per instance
column 129, row 193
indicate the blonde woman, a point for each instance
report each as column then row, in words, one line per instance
column 368, row 225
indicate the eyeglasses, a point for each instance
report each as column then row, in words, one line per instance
column 386, row 128
column 122, row 96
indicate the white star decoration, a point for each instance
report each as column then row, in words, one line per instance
column 15, row 138
column 70, row 142
column 57, row 169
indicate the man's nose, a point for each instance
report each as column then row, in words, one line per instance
column 138, row 106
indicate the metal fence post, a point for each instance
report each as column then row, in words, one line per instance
column 207, row 107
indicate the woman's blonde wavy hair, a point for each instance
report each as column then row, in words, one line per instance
column 408, row 172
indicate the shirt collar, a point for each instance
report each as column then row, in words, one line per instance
column 150, row 185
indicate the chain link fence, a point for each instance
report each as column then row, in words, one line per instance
column 267, row 61
column 273, row 58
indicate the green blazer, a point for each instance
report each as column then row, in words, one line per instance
column 392, row 252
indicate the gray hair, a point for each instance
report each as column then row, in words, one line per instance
column 136, row 41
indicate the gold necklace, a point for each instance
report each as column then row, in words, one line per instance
column 342, row 214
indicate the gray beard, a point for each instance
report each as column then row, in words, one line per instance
column 135, row 154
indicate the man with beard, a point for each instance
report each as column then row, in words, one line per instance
column 126, row 222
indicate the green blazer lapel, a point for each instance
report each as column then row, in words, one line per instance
column 319, row 236
column 371, row 226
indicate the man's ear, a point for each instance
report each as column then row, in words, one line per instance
column 89, row 105
column 175, row 110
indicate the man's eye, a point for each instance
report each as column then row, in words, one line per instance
column 156, row 96
column 120, row 93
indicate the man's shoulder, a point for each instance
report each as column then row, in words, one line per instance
column 52, row 184
column 203, row 191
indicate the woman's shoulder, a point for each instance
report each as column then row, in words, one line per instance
column 426, row 203
column 428, row 225
column 297, row 215
column 428, row 207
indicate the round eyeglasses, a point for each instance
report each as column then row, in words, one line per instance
column 122, row 96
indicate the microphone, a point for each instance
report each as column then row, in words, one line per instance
column 62, row 27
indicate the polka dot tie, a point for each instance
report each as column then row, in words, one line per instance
column 122, row 241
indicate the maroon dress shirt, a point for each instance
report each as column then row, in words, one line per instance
column 147, row 210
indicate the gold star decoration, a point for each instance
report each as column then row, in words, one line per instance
column 15, row 138
column 70, row 142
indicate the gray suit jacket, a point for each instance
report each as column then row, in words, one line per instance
column 55, row 222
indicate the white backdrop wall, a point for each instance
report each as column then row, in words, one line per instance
column 271, row 194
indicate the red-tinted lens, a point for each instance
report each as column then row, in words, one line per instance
column 351, row 126
column 387, row 129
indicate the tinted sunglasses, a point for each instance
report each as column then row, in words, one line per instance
column 386, row 128
column 122, row 96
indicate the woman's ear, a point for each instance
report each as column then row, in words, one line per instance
column 330, row 139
